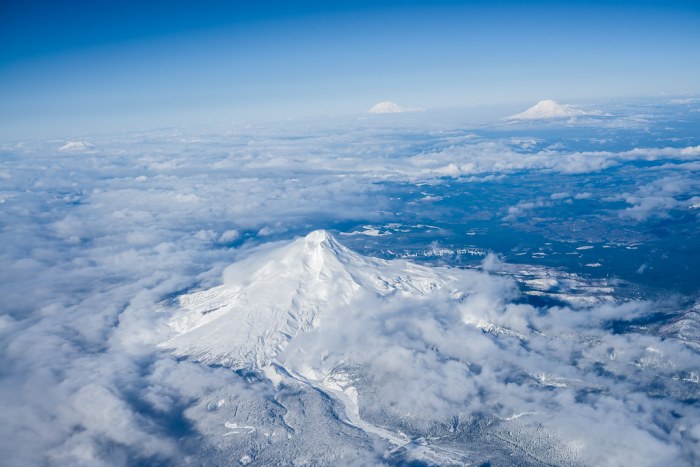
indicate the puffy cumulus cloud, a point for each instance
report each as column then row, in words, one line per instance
column 77, row 370
column 524, row 208
column 98, row 240
column 650, row 154
column 660, row 197
column 95, row 237
column 497, row 157
column 478, row 157
column 364, row 152
column 75, row 405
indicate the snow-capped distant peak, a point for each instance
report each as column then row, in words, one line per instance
column 75, row 146
column 274, row 294
column 548, row 109
column 388, row 107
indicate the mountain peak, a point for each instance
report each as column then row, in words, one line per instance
column 76, row 146
column 386, row 107
column 274, row 294
column 548, row 109
column 319, row 236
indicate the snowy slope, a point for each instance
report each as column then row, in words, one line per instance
column 271, row 296
column 442, row 363
column 386, row 107
column 75, row 146
column 548, row 109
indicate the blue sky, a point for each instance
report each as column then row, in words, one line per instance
column 112, row 66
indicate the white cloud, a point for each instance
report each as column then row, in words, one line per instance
column 230, row 236
column 96, row 243
column 420, row 347
column 524, row 208
column 660, row 197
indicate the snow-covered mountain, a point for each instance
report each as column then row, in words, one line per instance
column 75, row 146
column 439, row 364
column 548, row 109
column 271, row 296
column 387, row 107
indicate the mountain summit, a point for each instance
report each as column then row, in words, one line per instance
column 387, row 107
column 548, row 109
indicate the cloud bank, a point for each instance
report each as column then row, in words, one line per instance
column 96, row 240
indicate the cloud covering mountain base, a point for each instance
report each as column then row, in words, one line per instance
column 419, row 353
column 578, row 346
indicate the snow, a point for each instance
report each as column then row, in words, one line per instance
column 75, row 146
column 237, row 429
column 316, row 317
column 548, row 109
column 271, row 296
column 347, row 397
column 387, row 107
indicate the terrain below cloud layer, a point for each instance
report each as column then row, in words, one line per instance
column 576, row 343
column 404, row 350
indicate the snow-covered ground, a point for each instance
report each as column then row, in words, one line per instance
column 404, row 350
column 492, row 292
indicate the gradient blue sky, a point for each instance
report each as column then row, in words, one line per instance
column 69, row 70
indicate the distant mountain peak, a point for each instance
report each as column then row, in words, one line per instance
column 548, row 109
column 75, row 146
column 388, row 107
column 385, row 107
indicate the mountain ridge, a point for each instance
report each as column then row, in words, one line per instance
column 272, row 295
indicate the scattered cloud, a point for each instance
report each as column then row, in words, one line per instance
column 230, row 236
column 660, row 197
column 99, row 242
column 524, row 208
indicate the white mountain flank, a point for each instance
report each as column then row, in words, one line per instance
column 549, row 109
column 272, row 295
column 387, row 107
column 75, row 146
